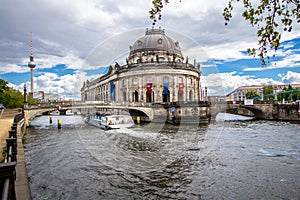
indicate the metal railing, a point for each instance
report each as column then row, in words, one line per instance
column 8, row 168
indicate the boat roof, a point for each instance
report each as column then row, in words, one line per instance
column 115, row 116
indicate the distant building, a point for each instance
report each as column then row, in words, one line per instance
column 239, row 94
column 41, row 96
column 50, row 97
column 155, row 72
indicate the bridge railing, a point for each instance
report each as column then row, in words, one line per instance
column 8, row 168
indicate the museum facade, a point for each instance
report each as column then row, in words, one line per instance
column 155, row 72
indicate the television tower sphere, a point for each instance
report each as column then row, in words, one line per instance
column 31, row 63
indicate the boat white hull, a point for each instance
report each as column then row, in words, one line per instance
column 111, row 122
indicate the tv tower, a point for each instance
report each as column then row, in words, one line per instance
column 31, row 65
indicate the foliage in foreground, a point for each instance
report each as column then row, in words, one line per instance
column 270, row 18
column 9, row 97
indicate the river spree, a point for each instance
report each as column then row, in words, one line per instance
column 222, row 160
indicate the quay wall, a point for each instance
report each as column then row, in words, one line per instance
column 287, row 112
column 265, row 111
column 22, row 188
column 14, row 177
column 275, row 111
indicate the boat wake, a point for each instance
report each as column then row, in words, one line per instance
column 221, row 117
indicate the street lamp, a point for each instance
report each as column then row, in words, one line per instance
column 25, row 94
column 275, row 95
column 205, row 93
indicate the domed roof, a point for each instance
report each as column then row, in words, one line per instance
column 155, row 40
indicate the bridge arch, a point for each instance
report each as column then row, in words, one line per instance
column 258, row 114
column 146, row 114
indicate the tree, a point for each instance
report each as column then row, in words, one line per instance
column 268, row 90
column 156, row 10
column 10, row 97
column 252, row 94
column 14, row 98
column 270, row 18
column 286, row 94
column 32, row 101
column 3, row 85
column 3, row 88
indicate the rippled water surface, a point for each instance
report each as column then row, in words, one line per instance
column 222, row 160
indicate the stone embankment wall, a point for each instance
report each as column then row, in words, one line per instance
column 286, row 112
column 21, row 185
column 19, row 189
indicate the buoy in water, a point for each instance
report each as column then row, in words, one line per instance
column 50, row 120
column 138, row 119
column 59, row 123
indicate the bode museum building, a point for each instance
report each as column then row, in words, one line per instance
column 155, row 72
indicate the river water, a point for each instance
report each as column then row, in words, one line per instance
column 222, row 160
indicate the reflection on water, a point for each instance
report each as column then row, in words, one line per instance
column 234, row 160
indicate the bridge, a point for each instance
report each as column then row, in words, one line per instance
column 146, row 112
column 32, row 111
column 260, row 110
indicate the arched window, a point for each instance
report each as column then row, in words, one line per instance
column 139, row 42
column 135, row 96
column 124, row 96
column 180, row 79
column 161, row 59
column 149, row 80
column 191, row 95
column 134, row 81
column 166, row 79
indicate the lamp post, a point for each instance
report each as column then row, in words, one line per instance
column 25, row 94
column 275, row 90
column 25, row 100
column 205, row 93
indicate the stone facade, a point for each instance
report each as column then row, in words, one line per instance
column 155, row 72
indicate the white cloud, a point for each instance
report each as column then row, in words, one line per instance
column 223, row 83
column 291, row 60
column 44, row 80
column 9, row 68
column 228, row 51
column 67, row 86
column 291, row 78
column 70, row 60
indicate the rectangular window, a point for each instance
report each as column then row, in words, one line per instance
column 123, row 82
column 166, row 79
column 149, row 80
column 134, row 81
column 180, row 79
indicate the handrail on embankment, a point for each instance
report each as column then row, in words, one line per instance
column 13, row 174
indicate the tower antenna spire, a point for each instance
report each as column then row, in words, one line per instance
column 31, row 64
column 30, row 50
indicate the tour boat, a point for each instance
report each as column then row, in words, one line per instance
column 107, row 122
column 56, row 112
column 69, row 112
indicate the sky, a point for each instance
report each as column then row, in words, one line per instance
column 74, row 41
